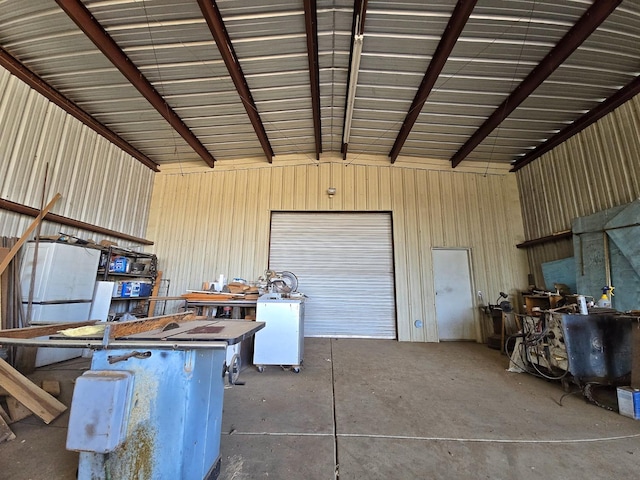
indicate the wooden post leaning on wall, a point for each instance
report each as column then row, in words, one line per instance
column 28, row 231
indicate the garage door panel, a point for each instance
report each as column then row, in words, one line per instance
column 344, row 264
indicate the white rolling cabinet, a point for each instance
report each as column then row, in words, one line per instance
column 281, row 341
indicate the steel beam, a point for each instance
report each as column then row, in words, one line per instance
column 607, row 106
column 311, row 27
column 18, row 69
column 212, row 15
column 585, row 26
column 454, row 28
column 94, row 31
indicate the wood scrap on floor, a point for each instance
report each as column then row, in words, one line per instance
column 52, row 387
column 29, row 394
column 6, row 434
column 17, row 411
column 4, row 415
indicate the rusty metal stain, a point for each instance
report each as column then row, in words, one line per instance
column 135, row 455
column 206, row 329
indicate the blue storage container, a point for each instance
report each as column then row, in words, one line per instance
column 145, row 289
column 119, row 265
column 130, row 289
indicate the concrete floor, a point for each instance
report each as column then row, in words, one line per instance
column 377, row 409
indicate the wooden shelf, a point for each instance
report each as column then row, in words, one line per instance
column 535, row 304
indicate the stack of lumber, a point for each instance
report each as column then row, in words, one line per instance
column 249, row 292
column 237, row 291
column 204, row 296
column 24, row 398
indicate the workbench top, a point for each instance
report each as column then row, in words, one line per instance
column 197, row 333
column 230, row 331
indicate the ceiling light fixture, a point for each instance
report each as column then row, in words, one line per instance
column 353, row 81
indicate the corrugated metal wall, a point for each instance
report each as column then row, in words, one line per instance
column 99, row 183
column 217, row 222
column 597, row 169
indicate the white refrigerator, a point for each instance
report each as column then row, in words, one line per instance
column 65, row 278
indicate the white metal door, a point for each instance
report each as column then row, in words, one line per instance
column 454, row 297
column 344, row 264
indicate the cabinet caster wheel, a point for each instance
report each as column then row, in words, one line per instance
column 296, row 369
column 261, row 368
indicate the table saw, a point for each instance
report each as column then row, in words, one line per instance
column 151, row 405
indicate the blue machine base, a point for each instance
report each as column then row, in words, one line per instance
column 173, row 426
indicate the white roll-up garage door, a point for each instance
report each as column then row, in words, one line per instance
column 344, row 264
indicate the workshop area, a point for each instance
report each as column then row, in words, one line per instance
column 383, row 409
column 330, row 239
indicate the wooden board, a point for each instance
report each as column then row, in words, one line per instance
column 52, row 387
column 131, row 327
column 17, row 411
column 6, row 434
column 25, row 359
column 231, row 331
column 205, row 297
column 4, row 415
column 154, row 293
column 160, row 334
column 29, row 394
column 14, row 250
column 4, row 292
column 43, row 330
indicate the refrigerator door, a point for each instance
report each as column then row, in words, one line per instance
column 43, row 314
column 57, row 313
column 101, row 301
column 47, row 356
column 64, row 272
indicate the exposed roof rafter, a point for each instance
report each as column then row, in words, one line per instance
column 386, row 69
column 585, row 26
column 311, row 24
column 449, row 38
column 212, row 15
column 623, row 95
column 39, row 85
column 94, row 31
